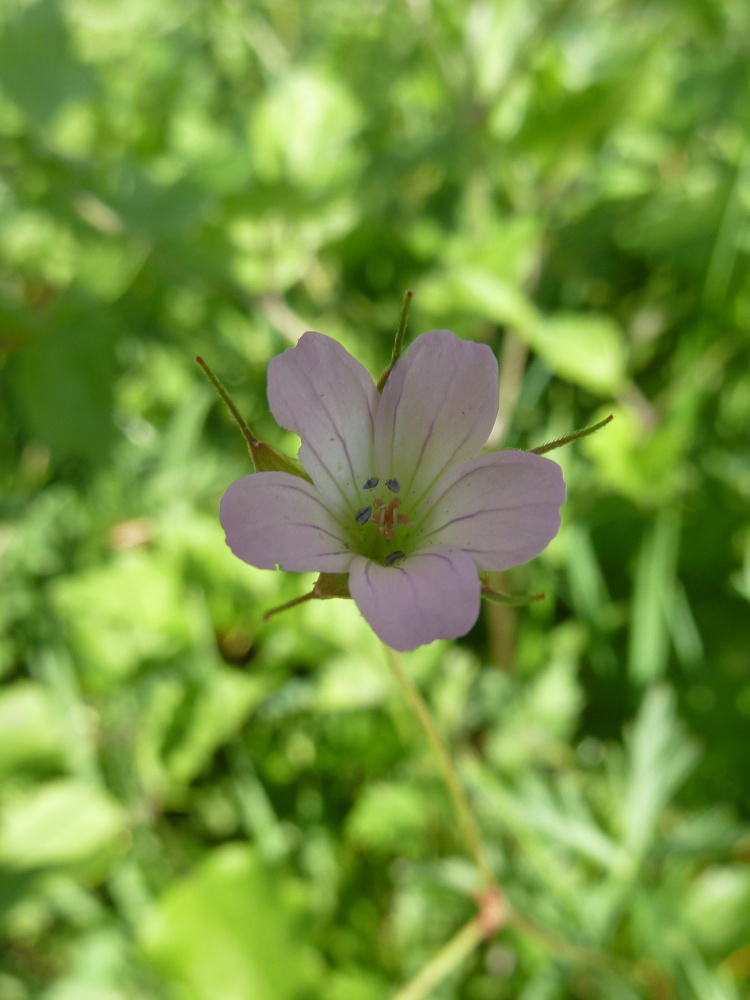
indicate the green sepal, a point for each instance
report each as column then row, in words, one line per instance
column 332, row 585
column 559, row 442
column 509, row 600
column 398, row 344
column 327, row 586
column 265, row 457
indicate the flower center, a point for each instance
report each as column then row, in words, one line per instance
column 386, row 517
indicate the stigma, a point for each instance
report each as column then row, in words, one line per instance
column 387, row 516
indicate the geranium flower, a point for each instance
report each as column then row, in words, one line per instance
column 400, row 499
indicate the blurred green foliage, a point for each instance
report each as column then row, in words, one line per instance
column 194, row 806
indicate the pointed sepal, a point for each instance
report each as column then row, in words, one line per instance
column 584, row 432
column 265, row 457
column 398, row 344
column 509, row 600
column 327, row 586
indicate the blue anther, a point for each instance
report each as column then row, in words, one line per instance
column 393, row 485
column 391, row 559
column 371, row 483
column 363, row 515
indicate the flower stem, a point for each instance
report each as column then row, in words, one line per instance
column 465, row 816
column 287, row 605
column 440, row 965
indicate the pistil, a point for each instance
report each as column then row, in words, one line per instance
column 387, row 515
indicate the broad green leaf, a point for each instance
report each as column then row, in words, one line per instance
column 63, row 822
column 156, row 208
column 718, row 907
column 393, row 817
column 482, row 293
column 584, row 348
column 63, row 381
column 39, row 31
column 644, row 464
column 229, row 931
column 141, row 613
column 30, row 726
column 303, row 131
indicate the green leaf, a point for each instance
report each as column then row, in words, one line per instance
column 229, row 932
column 718, row 907
column 587, row 349
column 303, row 130
column 661, row 756
column 642, row 463
column 654, row 593
column 584, row 348
column 38, row 37
column 29, row 725
column 159, row 209
column 63, row 383
column 393, row 817
column 217, row 710
column 481, row 292
column 140, row 613
column 65, row 822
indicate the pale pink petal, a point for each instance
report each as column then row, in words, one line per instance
column 273, row 517
column 502, row 508
column 433, row 594
column 437, row 410
column 319, row 391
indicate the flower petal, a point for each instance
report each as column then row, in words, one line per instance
column 437, row 409
column 502, row 508
column 273, row 517
column 433, row 594
column 323, row 394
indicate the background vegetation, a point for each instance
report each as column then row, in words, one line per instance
column 194, row 806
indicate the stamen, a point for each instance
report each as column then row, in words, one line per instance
column 391, row 559
column 371, row 483
column 393, row 485
column 387, row 516
column 363, row 515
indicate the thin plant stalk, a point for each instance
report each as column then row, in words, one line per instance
column 398, row 345
column 460, row 946
column 464, row 814
column 575, row 436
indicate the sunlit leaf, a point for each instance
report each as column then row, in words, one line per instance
column 229, row 931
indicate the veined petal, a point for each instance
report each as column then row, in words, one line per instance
column 323, row 394
column 273, row 517
column 433, row 594
column 502, row 508
column 437, row 409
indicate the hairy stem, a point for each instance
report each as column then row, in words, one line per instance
column 466, row 820
column 575, row 436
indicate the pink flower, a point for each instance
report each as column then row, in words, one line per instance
column 400, row 499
